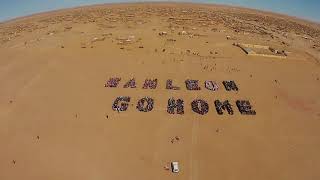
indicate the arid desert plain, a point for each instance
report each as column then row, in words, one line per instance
column 119, row 91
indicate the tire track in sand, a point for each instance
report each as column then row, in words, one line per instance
column 194, row 141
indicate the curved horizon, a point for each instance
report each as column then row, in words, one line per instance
column 296, row 8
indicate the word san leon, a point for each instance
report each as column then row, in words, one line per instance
column 176, row 106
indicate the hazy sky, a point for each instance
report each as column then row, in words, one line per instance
column 307, row 9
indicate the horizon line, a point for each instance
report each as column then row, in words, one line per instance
column 317, row 22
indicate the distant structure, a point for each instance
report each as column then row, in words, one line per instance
column 260, row 50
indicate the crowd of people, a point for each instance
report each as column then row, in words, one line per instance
column 225, row 105
column 145, row 104
column 175, row 104
column 123, row 106
column 200, row 106
column 190, row 84
column 245, row 107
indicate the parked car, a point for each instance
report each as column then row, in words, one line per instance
column 175, row 167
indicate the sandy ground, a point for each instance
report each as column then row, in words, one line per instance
column 56, row 116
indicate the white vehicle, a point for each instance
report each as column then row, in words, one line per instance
column 175, row 167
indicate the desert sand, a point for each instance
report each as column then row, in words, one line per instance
column 57, row 119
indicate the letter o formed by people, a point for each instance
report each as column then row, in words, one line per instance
column 145, row 104
column 200, row 106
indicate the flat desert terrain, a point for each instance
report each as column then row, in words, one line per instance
column 119, row 91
